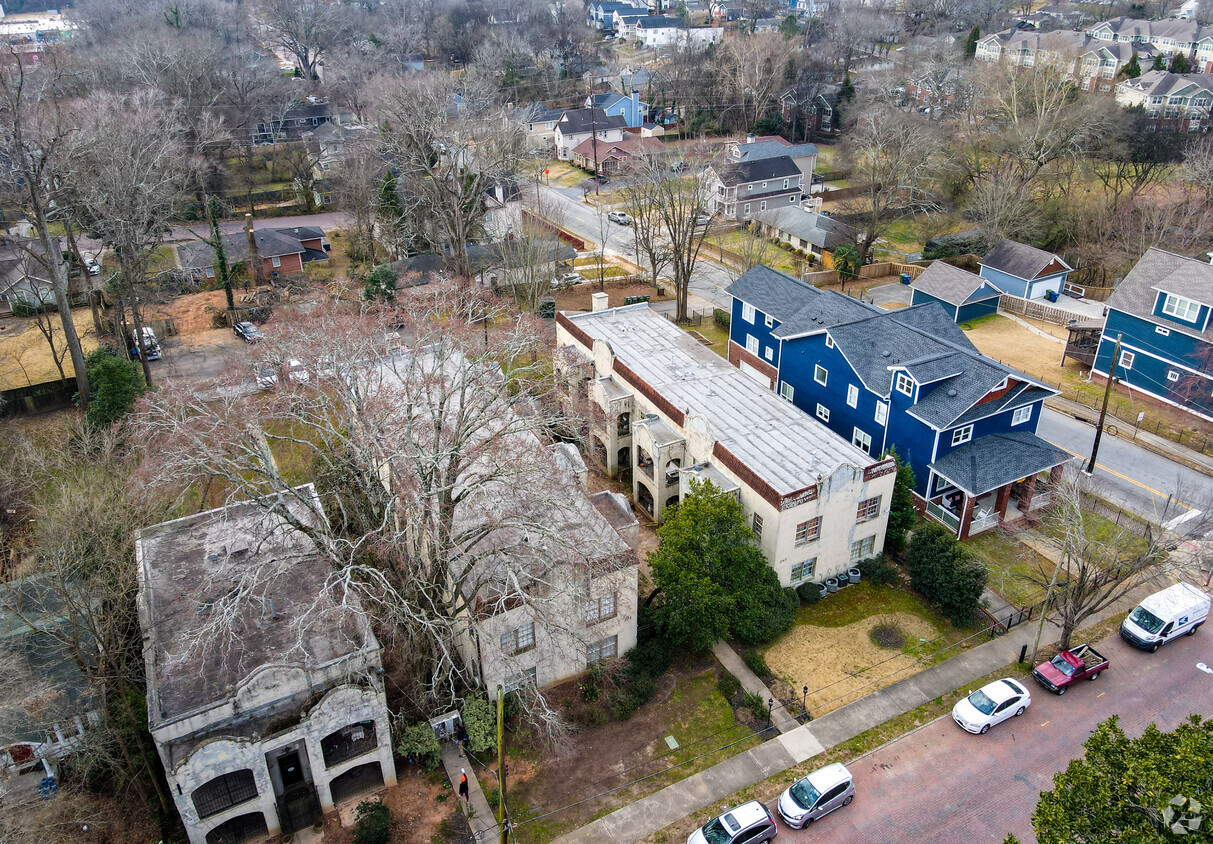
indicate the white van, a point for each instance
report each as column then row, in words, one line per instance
column 1165, row 615
column 149, row 342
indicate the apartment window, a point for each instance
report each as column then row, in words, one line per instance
column 1181, row 308
column 277, row 262
column 829, row 342
column 1126, row 360
column 820, row 375
column 751, row 344
column 785, row 184
column 862, row 549
column 770, row 321
column 786, row 390
column 600, row 608
column 905, row 384
column 756, row 526
column 803, row 571
column 862, row 440
column 852, row 395
column 210, row 272
column 747, row 313
column 523, row 678
column 869, row 508
column 823, row 413
column 602, row 649
column 1021, row 415
column 747, row 209
column 768, row 353
column 1172, row 375
column 519, row 639
column 1164, row 332
column 882, row 413
column 962, row 435
column 224, row 792
column 809, row 531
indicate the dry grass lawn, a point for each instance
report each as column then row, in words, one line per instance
column 843, row 663
column 25, row 356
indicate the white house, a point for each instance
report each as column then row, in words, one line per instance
column 581, row 124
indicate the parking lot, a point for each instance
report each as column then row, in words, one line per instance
column 199, row 356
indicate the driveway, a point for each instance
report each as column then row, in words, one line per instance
column 197, row 357
column 889, row 294
column 941, row 784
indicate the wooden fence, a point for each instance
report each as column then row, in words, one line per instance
column 882, row 269
column 1036, row 310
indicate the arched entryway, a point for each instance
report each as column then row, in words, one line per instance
column 644, row 498
column 239, row 830
column 356, row 781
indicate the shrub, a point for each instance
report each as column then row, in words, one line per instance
column 809, row 593
column 945, row 573
column 116, row 384
column 419, row 744
column 756, row 663
column 381, row 284
column 643, row 664
column 755, row 704
column 480, row 721
column 879, row 570
column 765, row 614
column 373, row 824
column 727, row 684
column 590, row 688
column 721, row 317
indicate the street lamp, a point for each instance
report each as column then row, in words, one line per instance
column 804, row 700
column 770, row 706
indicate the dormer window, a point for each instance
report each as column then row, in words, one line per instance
column 905, row 384
column 1181, row 308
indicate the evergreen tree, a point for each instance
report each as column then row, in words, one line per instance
column 971, row 44
column 1160, row 63
column 1179, row 64
column 117, row 382
column 1132, row 68
column 902, row 514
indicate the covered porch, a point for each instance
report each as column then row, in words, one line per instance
column 992, row 481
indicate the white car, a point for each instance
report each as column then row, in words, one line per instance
column 620, row 218
column 816, row 795
column 749, row 823
column 992, row 704
column 566, row 280
column 92, row 267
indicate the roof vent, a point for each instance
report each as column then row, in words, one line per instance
column 885, row 353
column 952, row 393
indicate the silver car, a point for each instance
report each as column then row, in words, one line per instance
column 816, row 795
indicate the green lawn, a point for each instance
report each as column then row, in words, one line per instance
column 744, row 243
column 1010, row 564
column 1103, row 531
column 719, row 336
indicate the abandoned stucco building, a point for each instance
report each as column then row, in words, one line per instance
column 263, row 681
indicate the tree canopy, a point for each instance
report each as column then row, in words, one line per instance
column 712, row 578
column 117, row 384
column 902, row 514
column 946, row 572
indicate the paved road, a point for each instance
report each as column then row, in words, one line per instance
column 327, row 220
column 941, row 784
column 1137, row 479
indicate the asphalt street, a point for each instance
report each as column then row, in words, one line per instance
column 941, row 784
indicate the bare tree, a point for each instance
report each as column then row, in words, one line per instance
column 440, row 498
column 304, row 28
column 647, row 229
column 755, row 66
column 1197, row 167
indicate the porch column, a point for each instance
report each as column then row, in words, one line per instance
column 1004, row 498
column 1054, row 475
column 1026, row 492
column 966, row 516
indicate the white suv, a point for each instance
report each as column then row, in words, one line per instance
column 816, row 795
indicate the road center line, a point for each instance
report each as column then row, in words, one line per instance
column 1148, row 489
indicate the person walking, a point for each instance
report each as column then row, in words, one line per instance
column 463, row 785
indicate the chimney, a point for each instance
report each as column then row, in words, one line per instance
column 254, row 255
column 751, row 138
column 598, row 302
column 637, row 117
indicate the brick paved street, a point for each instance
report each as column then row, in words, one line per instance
column 941, row 784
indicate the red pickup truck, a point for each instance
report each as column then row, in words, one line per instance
column 1081, row 663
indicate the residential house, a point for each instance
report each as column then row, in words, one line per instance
column 282, row 251
column 740, row 190
column 812, row 232
column 601, row 15
column 1167, row 36
column 631, row 109
column 906, row 379
column 291, row 124
column 676, row 414
column 23, row 280
column 29, row 34
column 963, row 295
column 755, row 148
column 1094, row 62
column 1175, row 102
column 1162, row 311
column 814, row 111
column 330, row 143
column 1024, row 271
column 266, row 711
column 540, row 125
column 662, row 31
column 624, row 24
column 577, row 125
column 615, row 156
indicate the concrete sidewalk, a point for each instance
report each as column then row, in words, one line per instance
column 662, row 808
column 732, row 661
column 482, row 822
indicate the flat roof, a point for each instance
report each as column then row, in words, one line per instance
column 781, row 444
column 259, row 574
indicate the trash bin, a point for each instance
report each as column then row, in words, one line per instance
column 905, row 278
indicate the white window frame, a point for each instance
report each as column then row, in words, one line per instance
column 1172, row 375
column 804, row 571
column 820, row 374
column 1021, row 415
column 905, row 384
column 862, row 439
column 769, row 321
column 962, row 435
column 809, row 531
column 1165, row 332
column 823, row 412
column 762, row 206
column 1126, row 359
column 601, row 608
column 1180, row 308
column 746, row 210
column 276, row 261
column 829, row 342
column 751, row 344
column 861, row 549
column 852, row 395
column 518, row 640
column 769, row 353
column 210, row 272
column 792, row 199
column 786, row 390
column 882, row 413
column 748, row 313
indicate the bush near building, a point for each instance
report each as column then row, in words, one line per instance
column 945, row 573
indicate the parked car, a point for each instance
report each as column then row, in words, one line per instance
column 296, row 372
column 150, row 344
column 267, row 379
column 703, row 220
column 1081, row 663
column 567, row 280
column 620, row 218
column 92, row 267
column 749, row 823
column 992, row 704
column 248, row 332
column 1175, row 611
column 816, row 795
column 600, row 179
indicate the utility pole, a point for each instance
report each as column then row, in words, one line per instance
column 594, row 141
column 1103, row 413
column 501, row 761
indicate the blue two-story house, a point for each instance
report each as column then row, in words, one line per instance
column 1163, row 313
column 907, row 380
column 1024, row 271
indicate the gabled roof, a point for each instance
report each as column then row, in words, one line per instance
column 270, row 244
column 578, row 120
column 772, row 292
column 770, row 148
column 661, row 22
column 302, row 232
column 953, row 285
column 629, row 147
column 1164, row 83
column 1160, row 270
column 992, row 461
column 818, row 229
column 1020, row 260
column 742, row 172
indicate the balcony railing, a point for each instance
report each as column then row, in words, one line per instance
column 943, row 515
column 978, row 525
column 349, row 742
